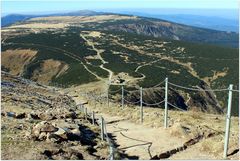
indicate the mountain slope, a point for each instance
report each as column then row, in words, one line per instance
column 148, row 26
column 208, row 22
column 116, row 49
column 14, row 18
column 173, row 31
column 39, row 122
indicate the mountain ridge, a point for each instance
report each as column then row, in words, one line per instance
column 76, row 50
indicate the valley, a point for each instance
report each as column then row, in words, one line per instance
column 98, row 48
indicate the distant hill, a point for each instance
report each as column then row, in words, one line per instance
column 151, row 27
column 215, row 23
column 13, row 18
column 208, row 22
column 174, row 31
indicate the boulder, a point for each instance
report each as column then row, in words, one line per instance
column 42, row 127
column 63, row 124
column 47, row 117
column 33, row 116
column 21, row 115
column 76, row 132
column 71, row 115
column 62, row 132
column 74, row 155
column 19, row 127
column 11, row 114
column 3, row 114
column 48, row 128
column 28, row 135
column 42, row 136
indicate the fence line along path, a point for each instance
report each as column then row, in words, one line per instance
column 166, row 103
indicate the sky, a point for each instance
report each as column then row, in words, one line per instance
column 53, row 6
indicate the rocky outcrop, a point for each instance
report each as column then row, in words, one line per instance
column 47, row 131
column 205, row 101
column 173, row 31
column 149, row 29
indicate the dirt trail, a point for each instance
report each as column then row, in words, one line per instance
column 136, row 140
column 99, row 56
column 144, row 141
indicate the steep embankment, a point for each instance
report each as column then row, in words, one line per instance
column 40, row 122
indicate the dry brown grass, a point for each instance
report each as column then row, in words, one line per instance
column 82, row 19
column 15, row 60
column 213, row 145
column 49, row 68
column 39, row 26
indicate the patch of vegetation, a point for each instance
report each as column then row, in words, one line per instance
column 122, row 56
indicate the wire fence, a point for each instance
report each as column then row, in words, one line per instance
column 130, row 102
column 176, row 107
column 141, row 102
column 153, row 104
column 115, row 91
column 159, row 83
column 198, row 89
column 101, row 122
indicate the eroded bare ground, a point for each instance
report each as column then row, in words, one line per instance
column 190, row 135
column 216, row 75
column 38, row 122
column 48, row 69
column 16, row 60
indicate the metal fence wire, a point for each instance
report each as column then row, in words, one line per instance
column 104, row 133
column 166, row 104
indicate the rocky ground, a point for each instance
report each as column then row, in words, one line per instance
column 39, row 122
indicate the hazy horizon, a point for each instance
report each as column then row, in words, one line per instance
column 214, row 8
column 220, row 13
